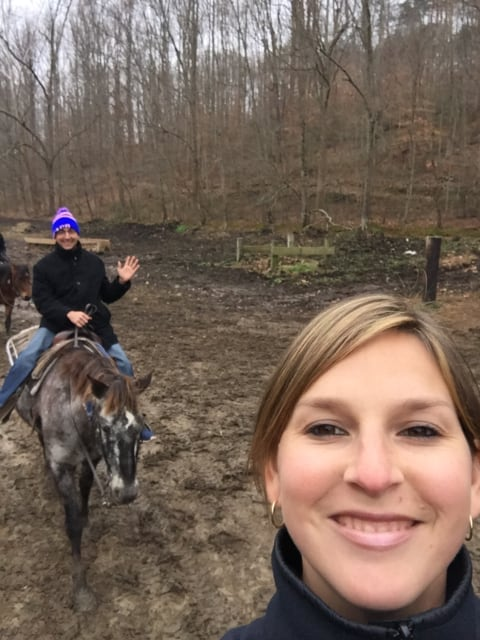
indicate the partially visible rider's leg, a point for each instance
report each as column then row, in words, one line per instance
column 25, row 363
column 123, row 363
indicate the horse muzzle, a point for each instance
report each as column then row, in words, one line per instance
column 121, row 492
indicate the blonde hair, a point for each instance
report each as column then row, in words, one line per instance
column 329, row 338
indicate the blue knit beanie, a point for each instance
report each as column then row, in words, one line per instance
column 63, row 219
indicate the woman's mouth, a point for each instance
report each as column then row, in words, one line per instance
column 375, row 531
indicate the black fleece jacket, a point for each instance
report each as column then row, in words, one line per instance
column 295, row 613
column 68, row 280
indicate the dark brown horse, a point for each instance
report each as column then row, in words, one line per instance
column 83, row 410
column 15, row 282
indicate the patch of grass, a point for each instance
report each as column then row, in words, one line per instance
column 299, row 267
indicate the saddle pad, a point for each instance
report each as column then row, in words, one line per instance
column 51, row 355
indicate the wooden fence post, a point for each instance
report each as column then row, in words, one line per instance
column 290, row 239
column 239, row 249
column 273, row 257
column 432, row 250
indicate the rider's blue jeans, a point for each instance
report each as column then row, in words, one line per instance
column 27, row 358
column 123, row 363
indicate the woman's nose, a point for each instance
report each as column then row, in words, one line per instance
column 374, row 467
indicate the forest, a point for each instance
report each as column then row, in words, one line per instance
column 237, row 113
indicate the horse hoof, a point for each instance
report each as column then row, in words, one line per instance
column 84, row 600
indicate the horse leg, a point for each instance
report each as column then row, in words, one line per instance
column 83, row 597
column 8, row 318
column 85, row 484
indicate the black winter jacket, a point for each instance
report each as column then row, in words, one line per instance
column 67, row 280
column 295, row 613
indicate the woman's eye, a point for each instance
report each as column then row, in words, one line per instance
column 421, row 431
column 325, row 429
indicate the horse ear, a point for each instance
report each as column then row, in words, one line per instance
column 99, row 388
column 142, row 383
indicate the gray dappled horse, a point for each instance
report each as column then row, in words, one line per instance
column 83, row 410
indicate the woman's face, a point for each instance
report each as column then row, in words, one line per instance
column 376, row 481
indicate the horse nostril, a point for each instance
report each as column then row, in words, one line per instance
column 129, row 498
column 125, row 494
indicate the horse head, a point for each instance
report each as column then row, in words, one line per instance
column 119, row 425
column 15, row 282
column 21, row 280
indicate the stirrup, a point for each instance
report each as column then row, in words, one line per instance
column 8, row 407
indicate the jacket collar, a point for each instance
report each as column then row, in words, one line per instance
column 305, row 615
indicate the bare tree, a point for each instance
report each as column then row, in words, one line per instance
column 42, row 89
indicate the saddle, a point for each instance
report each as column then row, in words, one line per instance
column 63, row 341
column 69, row 334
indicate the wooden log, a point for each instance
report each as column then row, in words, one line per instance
column 259, row 249
column 432, row 250
column 324, row 250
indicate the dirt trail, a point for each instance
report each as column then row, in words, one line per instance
column 190, row 558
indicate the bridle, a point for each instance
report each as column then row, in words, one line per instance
column 96, row 434
column 98, row 437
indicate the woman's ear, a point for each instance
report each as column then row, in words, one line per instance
column 475, row 488
column 271, row 480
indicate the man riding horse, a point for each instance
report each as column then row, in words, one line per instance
column 67, row 281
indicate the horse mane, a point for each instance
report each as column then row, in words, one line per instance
column 82, row 366
column 3, row 250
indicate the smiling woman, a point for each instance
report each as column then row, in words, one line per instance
column 365, row 448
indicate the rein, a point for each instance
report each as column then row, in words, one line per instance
column 90, row 309
column 88, row 458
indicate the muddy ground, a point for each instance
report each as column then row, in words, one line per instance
column 190, row 557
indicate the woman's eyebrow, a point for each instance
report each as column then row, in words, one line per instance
column 406, row 403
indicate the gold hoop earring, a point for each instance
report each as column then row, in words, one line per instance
column 274, row 519
column 469, row 535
